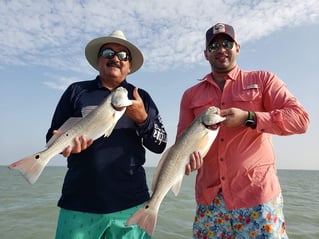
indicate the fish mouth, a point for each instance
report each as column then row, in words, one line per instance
column 118, row 108
column 212, row 126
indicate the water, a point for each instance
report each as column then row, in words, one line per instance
column 30, row 212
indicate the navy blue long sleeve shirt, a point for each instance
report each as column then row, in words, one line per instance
column 108, row 176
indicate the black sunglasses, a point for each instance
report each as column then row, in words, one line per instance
column 109, row 54
column 227, row 44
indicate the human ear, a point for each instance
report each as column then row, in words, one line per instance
column 205, row 54
column 237, row 49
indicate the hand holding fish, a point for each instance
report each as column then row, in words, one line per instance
column 234, row 117
column 80, row 144
column 195, row 162
column 136, row 111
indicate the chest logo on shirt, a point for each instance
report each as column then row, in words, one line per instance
column 252, row 86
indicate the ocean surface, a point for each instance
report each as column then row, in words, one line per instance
column 30, row 211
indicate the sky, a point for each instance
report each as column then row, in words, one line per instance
column 42, row 52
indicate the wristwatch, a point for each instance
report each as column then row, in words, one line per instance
column 251, row 120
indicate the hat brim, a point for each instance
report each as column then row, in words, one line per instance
column 93, row 47
column 220, row 33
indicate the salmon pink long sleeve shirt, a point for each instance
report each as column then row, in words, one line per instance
column 241, row 160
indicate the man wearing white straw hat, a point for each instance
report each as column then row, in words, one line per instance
column 105, row 182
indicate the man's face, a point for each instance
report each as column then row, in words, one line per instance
column 222, row 53
column 116, row 66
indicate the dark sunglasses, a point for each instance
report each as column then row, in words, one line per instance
column 109, row 54
column 227, row 44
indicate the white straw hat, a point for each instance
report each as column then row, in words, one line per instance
column 93, row 47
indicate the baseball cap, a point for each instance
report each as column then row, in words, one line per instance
column 219, row 28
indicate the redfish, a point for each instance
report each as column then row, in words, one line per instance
column 95, row 122
column 170, row 171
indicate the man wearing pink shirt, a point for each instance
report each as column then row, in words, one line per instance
column 238, row 193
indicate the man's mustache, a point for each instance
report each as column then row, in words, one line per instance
column 113, row 63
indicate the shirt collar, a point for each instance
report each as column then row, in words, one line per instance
column 232, row 75
column 99, row 83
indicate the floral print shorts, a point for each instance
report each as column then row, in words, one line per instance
column 260, row 222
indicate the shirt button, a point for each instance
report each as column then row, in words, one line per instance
column 222, row 140
column 223, row 178
column 221, row 159
column 223, row 103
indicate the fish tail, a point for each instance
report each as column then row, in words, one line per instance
column 145, row 218
column 30, row 167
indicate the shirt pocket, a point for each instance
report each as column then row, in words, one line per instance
column 248, row 98
column 258, row 175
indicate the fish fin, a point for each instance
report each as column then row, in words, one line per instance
column 109, row 130
column 159, row 168
column 30, row 167
column 66, row 126
column 87, row 110
column 206, row 143
column 115, row 117
column 145, row 218
column 177, row 186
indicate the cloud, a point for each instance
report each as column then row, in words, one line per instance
column 60, row 83
column 171, row 33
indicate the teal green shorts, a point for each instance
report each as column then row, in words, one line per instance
column 83, row 225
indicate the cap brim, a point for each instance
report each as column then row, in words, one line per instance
column 220, row 33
